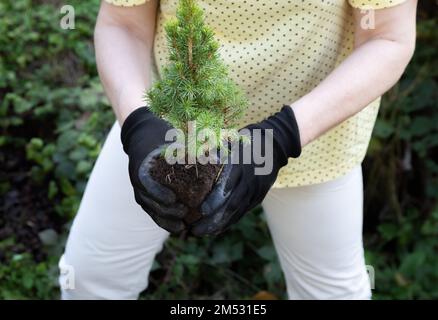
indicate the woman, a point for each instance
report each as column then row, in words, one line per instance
column 327, row 61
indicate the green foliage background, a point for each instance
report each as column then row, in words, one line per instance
column 53, row 121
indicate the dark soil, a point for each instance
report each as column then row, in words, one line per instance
column 24, row 208
column 191, row 183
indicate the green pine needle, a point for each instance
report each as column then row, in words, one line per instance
column 195, row 85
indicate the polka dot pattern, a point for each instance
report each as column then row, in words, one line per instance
column 374, row 4
column 277, row 51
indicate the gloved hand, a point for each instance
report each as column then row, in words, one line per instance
column 239, row 189
column 143, row 137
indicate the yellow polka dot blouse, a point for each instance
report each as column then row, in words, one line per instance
column 277, row 51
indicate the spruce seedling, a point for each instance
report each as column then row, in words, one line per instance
column 195, row 85
column 194, row 89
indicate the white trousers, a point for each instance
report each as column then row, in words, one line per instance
column 317, row 232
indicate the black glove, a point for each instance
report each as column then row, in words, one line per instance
column 143, row 137
column 239, row 189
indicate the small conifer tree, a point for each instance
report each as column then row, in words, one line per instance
column 195, row 85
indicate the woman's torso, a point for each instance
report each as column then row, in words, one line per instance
column 277, row 51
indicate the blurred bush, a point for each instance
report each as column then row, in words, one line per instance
column 54, row 118
column 401, row 212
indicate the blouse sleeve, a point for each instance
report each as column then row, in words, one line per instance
column 126, row 3
column 374, row 4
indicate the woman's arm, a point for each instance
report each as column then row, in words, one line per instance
column 377, row 62
column 123, row 39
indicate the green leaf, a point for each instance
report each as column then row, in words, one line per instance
column 388, row 231
column 267, row 252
